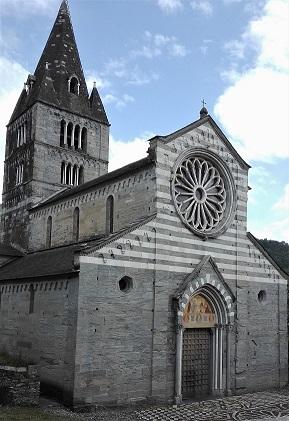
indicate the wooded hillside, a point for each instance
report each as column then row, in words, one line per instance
column 279, row 250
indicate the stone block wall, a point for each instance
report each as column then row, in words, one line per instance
column 134, row 198
column 19, row 385
column 46, row 125
column 158, row 262
column 44, row 336
column 114, row 337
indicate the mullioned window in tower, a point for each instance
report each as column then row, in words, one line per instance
column 73, row 136
column 19, row 174
column 71, row 175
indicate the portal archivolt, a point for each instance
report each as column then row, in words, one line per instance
column 204, row 322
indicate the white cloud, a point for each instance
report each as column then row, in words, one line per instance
column 205, row 46
column 262, row 182
column 31, row 7
column 283, row 203
column 271, row 35
column 170, row 6
column 119, row 101
column 13, row 76
column 203, row 6
column 276, row 230
column 139, row 78
column 101, row 82
column 9, row 40
column 129, row 72
column 116, row 67
column 235, row 48
column 230, row 75
column 254, row 109
column 156, row 45
column 122, row 153
column 178, row 50
column 250, row 6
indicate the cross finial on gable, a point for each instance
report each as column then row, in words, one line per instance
column 204, row 111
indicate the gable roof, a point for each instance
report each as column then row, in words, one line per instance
column 259, row 246
column 101, row 242
column 70, row 192
column 6, row 250
column 207, row 119
column 60, row 61
column 60, row 261
column 51, row 262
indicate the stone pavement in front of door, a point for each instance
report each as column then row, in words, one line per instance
column 260, row 406
column 255, row 406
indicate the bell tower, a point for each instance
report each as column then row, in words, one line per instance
column 57, row 136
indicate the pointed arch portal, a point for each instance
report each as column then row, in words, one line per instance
column 204, row 320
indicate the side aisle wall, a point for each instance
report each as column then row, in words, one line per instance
column 134, row 198
column 41, row 330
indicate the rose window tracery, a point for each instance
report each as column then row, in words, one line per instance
column 202, row 193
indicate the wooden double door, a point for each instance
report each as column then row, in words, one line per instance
column 196, row 363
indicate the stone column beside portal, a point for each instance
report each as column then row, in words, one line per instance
column 228, row 367
column 179, row 355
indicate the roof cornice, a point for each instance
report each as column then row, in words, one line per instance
column 208, row 119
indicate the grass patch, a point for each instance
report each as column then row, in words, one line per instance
column 29, row 414
column 5, row 359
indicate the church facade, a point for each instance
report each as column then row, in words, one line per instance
column 137, row 285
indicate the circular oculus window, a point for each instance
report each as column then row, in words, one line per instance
column 203, row 192
column 125, row 284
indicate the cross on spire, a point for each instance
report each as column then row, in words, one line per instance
column 203, row 102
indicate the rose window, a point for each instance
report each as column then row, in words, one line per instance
column 200, row 191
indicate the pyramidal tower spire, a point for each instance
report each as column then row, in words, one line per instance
column 57, row 136
column 61, row 57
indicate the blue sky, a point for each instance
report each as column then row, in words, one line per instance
column 154, row 61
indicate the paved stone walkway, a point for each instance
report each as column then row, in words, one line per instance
column 261, row 406
column 236, row 408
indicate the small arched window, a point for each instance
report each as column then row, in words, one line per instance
column 76, row 225
column 81, row 175
column 84, row 139
column 18, row 137
column 76, row 136
column 62, row 132
column 22, row 173
column 109, row 214
column 68, row 174
column 63, row 173
column 74, row 175
column 49, row 232
column 25, row 132
column 69, row 134
column 73, row 85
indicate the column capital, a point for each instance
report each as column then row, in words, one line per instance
column 220, row 326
